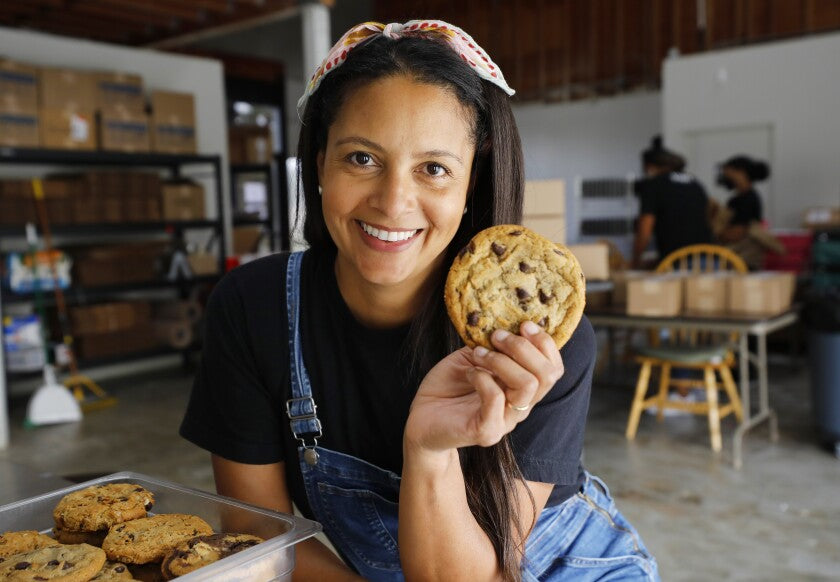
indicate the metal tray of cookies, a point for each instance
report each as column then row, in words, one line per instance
column 273, row 560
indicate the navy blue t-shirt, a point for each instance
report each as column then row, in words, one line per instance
column 360, row 383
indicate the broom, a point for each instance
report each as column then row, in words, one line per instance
column 87, row 392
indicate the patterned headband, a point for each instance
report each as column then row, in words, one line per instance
column 460, row 41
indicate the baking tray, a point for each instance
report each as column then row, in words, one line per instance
column 270, row 561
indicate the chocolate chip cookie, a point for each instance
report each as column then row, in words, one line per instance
column 112, row 571
column 16, row 542
column 67, row 536
column 507, row 275
column 101, row 506
column 76, row 563
column 149, row 539
column 202, row 550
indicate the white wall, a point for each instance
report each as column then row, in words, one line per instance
column 591, row 139
column 200, row 76
column 790, row 88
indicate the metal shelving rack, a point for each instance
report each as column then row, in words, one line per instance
column 173, row 163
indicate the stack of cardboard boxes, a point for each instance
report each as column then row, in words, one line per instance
column 18, row 105
column 250, row 144
column 713, row 294
column 544, row 209
column 112, row 329
column 58, row 108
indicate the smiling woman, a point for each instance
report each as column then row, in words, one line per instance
column 334, row 380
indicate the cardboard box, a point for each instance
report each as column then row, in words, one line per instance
column 594, row 260
column 118, row 264
column 655, row 295
column 115, row 343
column 182, row 200
column 120, row 93
column 821, row 217
column 67, row 129
column 544, row 197
column 173, row 122
column 17, row 204
column 68, row 89
column 104, row 317
column 706, row 292
column 250, row 145
column 760, row 293
column 203, row 264
column 18, row 88
column 124, row 131
column 551, row 227
column 58, row 201
column 619, row 280
column 246, row 239
column 19, row 129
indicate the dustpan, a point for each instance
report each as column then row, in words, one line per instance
column 52, row 403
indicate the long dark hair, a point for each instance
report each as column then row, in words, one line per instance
column 495, row 197
column 755, row 170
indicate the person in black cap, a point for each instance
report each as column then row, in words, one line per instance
column 673, row 205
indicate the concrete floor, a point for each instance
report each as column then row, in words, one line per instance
column 777, row 519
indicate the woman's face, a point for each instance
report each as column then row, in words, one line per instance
column 738, row 178
column 395, row 174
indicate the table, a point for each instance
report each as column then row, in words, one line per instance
column 742, row 324
column 20, row 482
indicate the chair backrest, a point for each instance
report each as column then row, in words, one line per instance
column 702, row 258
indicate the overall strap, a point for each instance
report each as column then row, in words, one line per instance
column 300, row 408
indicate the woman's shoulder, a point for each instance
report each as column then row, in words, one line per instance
column 249, row 281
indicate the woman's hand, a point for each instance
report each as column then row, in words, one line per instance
column 475, row 397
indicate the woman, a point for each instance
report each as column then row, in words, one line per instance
column 395, row 431
column 738, row 174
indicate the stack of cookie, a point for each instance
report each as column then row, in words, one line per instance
column 104, row 533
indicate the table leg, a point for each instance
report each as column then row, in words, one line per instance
column 764, row 388
column 744, row 385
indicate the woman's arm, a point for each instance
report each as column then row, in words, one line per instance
column 463, row 401
column 265, row 485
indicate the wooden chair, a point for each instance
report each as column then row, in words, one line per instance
column 692, row 351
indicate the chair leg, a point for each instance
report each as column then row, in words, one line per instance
column 732, row 392
column 664, row 382
column 636, row 408
column 714, row 412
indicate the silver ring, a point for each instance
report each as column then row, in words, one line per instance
column 518, row 408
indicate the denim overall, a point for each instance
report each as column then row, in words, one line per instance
column 583, row 538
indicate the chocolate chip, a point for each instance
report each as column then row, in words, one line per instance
column 472, row 318
column 525, row 267
column 138, row 489
column 515, row 232
column 148, row 505
column 581, row 276
column 22, row 565
column 123, row 499
column 522, row 294
column 68, row 565
column 119, row 569
column 39, row 578
column 53, row 563
column 544, row 299
column 193, row 542
column 543, row 321
column 498, row 249
column 462, row 252
column 130, row 536
column 559, row 252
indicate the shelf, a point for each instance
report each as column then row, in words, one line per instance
column 252, row 222
column 85, row 294
column 244, row 168
column 97, row 158
column 115, row 227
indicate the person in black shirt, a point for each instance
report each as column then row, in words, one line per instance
column 673, row 206
column 738, row 174
column 334, row 380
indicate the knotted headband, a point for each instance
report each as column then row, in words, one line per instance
column 457, row 39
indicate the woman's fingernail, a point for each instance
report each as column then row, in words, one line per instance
column 500, row 335
column 480, row 351
column 531, row 328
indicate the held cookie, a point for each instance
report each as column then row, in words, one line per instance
column 101, row 506
column 16, row 542
column 59, row 563
column 507, row 275
column 149, row 539
column 202, row 550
